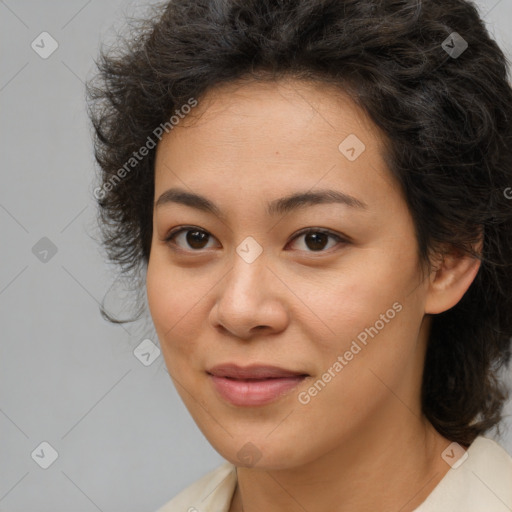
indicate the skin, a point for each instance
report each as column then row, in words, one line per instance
column 361, row 443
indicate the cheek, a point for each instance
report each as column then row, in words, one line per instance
column 335, row 307
column 176, row 299
column 374, row 313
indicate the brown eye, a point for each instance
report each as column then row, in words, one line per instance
column 189, row 238
column 316, row 240
column 197, row 239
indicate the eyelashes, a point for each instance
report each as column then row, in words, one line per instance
column 195, row 237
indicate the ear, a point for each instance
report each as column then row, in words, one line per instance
column 451, row 279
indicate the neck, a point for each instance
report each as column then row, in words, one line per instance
column 384, row 468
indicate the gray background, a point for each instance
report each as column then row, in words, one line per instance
column 124, row 440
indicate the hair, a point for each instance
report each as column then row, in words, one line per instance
column 446, row 119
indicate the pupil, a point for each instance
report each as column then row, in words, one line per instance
column 316, row 241
column 196, row 238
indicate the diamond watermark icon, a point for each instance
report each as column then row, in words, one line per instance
column 146, row 352
column 44, row 45
column 45, row 455
column 351, row 147
column 249, row 454
column 454, row 45
column 44, row 250
column 454, row 455
column 249, row 249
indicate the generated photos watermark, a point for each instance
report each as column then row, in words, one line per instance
column 143, row 151
column 304, row 397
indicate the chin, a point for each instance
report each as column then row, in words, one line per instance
column 266, row 454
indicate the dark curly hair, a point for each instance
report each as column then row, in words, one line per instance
column 446, row 118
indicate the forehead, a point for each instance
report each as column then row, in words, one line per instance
column 262, row 137
column 298, row 106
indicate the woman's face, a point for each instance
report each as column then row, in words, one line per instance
column 290, row 306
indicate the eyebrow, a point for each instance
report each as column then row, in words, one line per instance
column 298, row 200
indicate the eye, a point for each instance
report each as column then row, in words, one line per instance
column 317, row 239
column 194, row 237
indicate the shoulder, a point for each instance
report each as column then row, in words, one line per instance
column 212, row 492
column 481, row 482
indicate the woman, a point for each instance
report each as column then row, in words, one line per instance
column 316, row 195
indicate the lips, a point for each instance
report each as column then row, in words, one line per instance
column 253, row 385
column 234, row 371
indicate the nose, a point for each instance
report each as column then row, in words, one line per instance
column 249, row 302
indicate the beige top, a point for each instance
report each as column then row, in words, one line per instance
column 482, row 482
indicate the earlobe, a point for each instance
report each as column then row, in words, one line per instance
column 450, row 280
